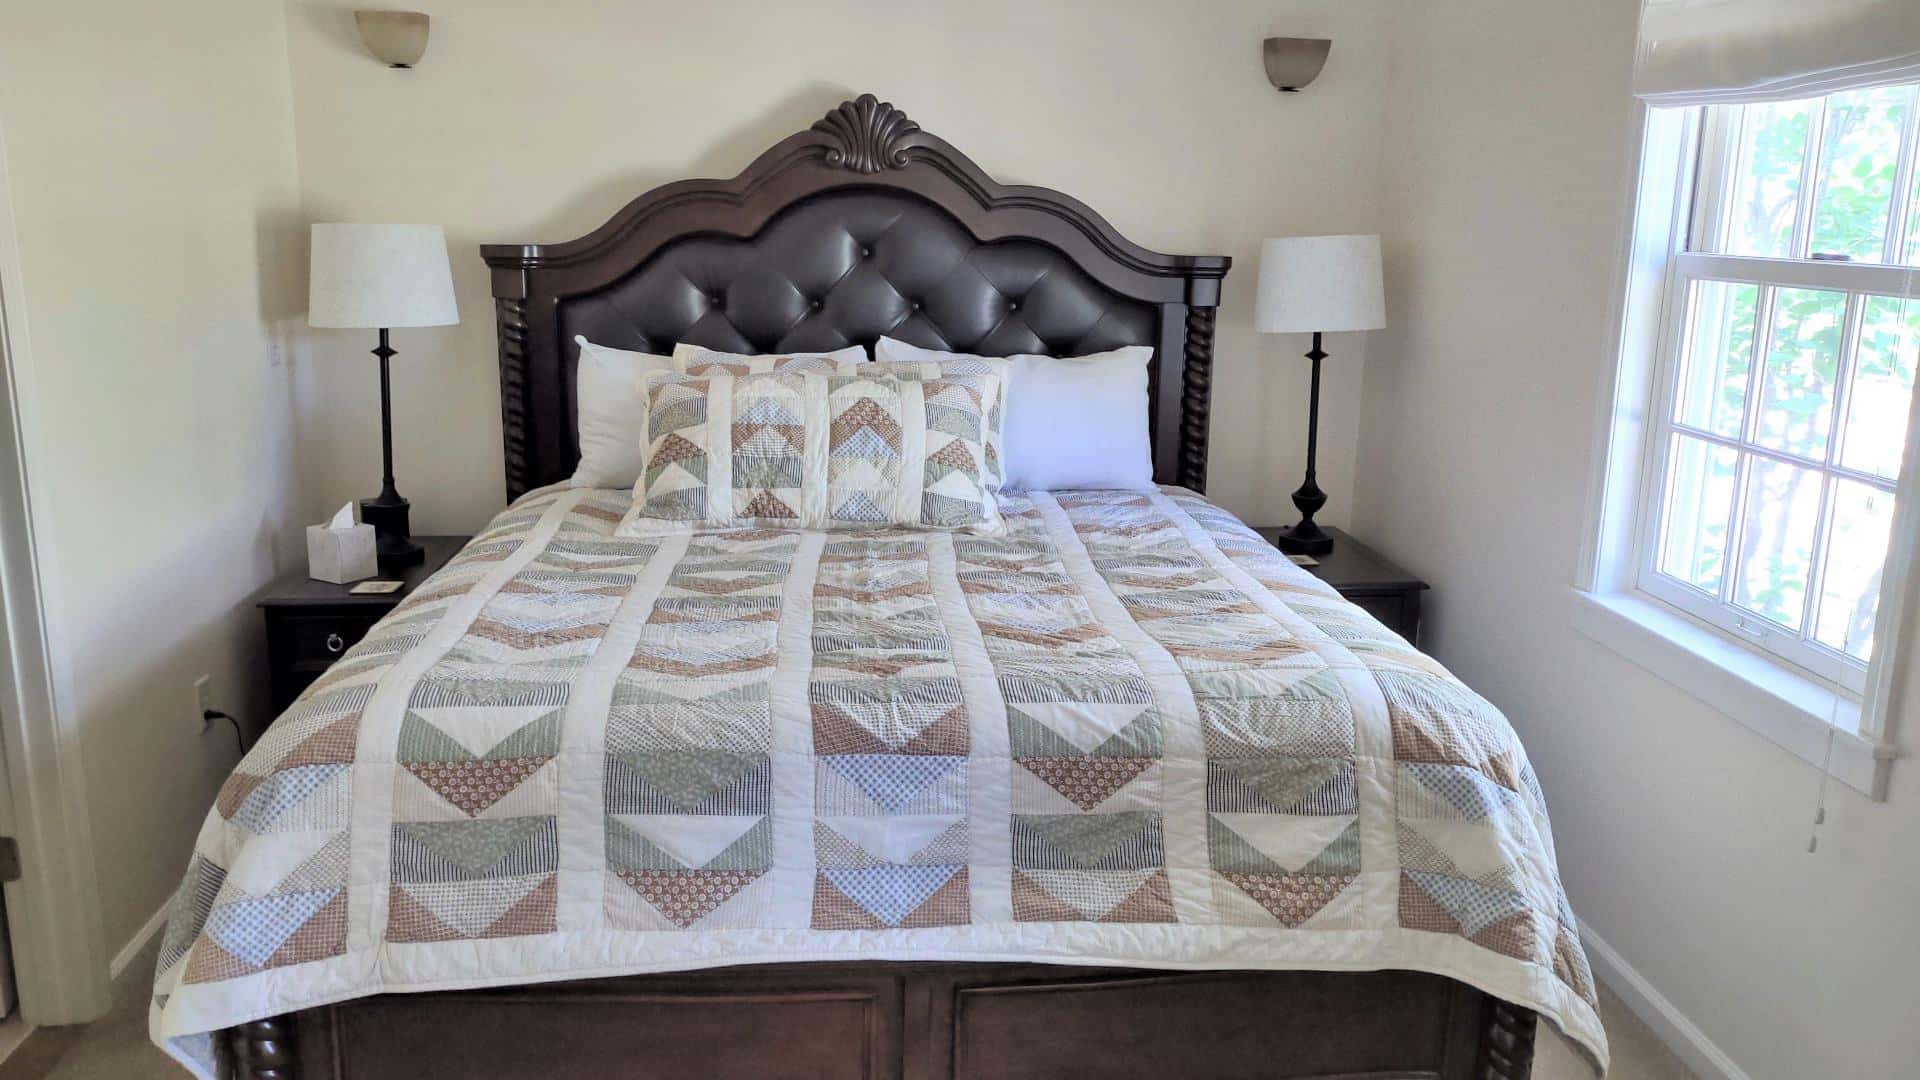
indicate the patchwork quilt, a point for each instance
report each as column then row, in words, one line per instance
column 1125, row 732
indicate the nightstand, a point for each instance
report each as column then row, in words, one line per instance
column 310, row 623
column 1382, row 589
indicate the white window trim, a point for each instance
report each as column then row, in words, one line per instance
column 1817, row 721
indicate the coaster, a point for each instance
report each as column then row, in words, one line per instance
column 377, row 588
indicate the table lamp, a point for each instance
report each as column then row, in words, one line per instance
column 375, row 277
column 1316, row 285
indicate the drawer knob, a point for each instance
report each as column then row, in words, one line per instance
column 335, row 643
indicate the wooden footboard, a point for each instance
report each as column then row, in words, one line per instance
column 911, row 1022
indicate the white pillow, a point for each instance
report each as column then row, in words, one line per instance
column 686, row 355
column 1072, row 421
column 608, row 386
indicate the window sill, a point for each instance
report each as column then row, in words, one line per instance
column 1792, row 711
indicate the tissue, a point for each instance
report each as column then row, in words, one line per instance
column 341, row 550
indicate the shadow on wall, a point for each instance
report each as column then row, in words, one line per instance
column 582, row 211
column 731, row 151
column 280, row 255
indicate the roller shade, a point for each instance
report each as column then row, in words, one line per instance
column 1703, row 52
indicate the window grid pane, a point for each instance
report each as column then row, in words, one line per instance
column 1912, row 221
column 1887, row 342
column 1777, row 525
column 1702, row 479
column 1848, row 371
column 1902, row 230
column 1799, row 382
column 1718, row 357
column 1860, row 523
column 1809, row 178
column 1816, row 572
column 1764, row 205
column 1860, row 156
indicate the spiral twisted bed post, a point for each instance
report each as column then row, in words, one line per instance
column 263, row 1050
column 511, row 322
column 1506, row 1041
column 1196, row 395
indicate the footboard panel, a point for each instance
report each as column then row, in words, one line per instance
column 910, row 1022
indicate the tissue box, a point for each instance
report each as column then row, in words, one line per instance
column 341, row 555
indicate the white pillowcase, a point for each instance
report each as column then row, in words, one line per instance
column 1072, row 421
column 612, row 406
column 686, row 355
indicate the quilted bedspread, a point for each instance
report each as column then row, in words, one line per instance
column 1128, row 732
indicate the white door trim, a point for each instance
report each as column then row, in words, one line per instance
column 59, row 944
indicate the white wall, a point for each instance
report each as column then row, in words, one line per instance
column 1682, row 834
column 154, row 191
column 529, row 123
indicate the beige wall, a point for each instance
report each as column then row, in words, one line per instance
column 159, row 205
column 154, row 192
column 1682, row 834
column 536, row 123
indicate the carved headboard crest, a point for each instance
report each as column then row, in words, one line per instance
column 860, row 226
column 866, row 135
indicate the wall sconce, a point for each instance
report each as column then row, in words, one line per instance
column 1294, row 62
column 395, row 38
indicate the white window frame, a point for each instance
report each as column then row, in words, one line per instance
column 1799, row 693
column 1718, row 131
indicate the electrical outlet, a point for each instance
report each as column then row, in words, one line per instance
column 203, row 702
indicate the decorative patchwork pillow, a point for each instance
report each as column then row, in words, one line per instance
column 853, row 449
column 994, row 455
column 700, row 360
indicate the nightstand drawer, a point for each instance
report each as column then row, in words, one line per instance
column 311, row 624
column 1392, row 610
column 301, row 647
column 324, row 637
column 1368, row 581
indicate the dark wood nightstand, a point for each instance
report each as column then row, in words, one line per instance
column 310, row 623
column 1382, row 589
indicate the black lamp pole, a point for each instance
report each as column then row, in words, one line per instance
column 387, row 512
column 1306, row 538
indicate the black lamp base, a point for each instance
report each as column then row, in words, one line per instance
column 387, row 513
column 1305, row 538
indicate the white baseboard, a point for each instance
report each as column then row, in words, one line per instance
column 123, row 959
column 1687, row 1042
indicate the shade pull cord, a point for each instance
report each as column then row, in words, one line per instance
column 1820, row 801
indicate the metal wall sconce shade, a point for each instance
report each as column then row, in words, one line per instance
column 1294, row 62
column 395, row 38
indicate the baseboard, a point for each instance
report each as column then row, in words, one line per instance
column 1687, row 1042
column 123, row 959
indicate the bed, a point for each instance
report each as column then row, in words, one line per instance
column 1120, row 793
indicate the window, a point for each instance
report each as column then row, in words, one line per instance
column 1784, row 376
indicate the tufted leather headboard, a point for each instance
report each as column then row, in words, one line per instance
column 861, row 226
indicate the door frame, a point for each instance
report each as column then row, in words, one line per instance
column 59, row 943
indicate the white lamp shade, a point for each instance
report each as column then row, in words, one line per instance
column 1310, row 284
column 369, row 276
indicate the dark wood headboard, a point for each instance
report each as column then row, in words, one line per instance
column 862, row 225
